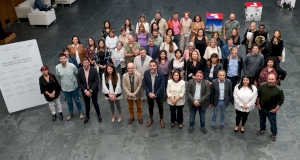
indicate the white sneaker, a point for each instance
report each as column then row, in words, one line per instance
column 119, row 119
column 113, row 119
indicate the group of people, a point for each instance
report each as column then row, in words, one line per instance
column 172, row 61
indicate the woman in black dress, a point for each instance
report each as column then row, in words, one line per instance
column 277, row 46
column 200, row 41
column 194, row 64
column 50, row 87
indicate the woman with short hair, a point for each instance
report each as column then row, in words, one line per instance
column 50, row 87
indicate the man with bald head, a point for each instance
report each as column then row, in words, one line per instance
column 229, row 25
column 132, row 83
column 131, row 49
column 269, row 100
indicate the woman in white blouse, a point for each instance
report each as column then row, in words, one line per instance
column 111, row 40
column 111, row 87
column 176, row 98
column 212, row 48
column 170, row 47
column 244, row 101
column 117, row 58
column 142, row 21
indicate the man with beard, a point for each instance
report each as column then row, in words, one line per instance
column 67, row 73
column 153, row 83
column 261, row 37
column 157, row 39
column 269, row 100
column 162, row 23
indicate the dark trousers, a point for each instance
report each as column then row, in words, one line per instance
column 241, row 115
column 193, row 111
column 159, row 102
column 179, row 116
column 272, row 119
column 87, row 103
column 234, row 81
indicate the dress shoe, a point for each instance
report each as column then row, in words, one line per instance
column 86, row 120
column 149, row 122
column 61, row 117
column 54, row 118
column 119, row 119
column 141, row 120
column 180, row 126
column 242, row 129
column 191, row 130
column 99, row 119
column 81, row 115
column 203, row 129
column 172, row 125
column 235, row 130
column 130, row 120
column 113, row 119
column 162, row 123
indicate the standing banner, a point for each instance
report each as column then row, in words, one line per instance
column 20, row 65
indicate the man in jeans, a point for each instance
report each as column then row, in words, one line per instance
column 221, row 93
column 198, row 91
column 269, row 100
column 67, row 73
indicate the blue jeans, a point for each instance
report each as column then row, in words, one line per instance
column 177, row 40
column 222, row 107
column 263, row 114
column 73, row 95
column 193, row 111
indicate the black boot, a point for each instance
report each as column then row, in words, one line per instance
column 54, row 118
column 61, row 117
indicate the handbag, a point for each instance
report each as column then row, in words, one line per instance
column 283, row 55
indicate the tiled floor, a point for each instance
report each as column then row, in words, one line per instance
column 30, row 134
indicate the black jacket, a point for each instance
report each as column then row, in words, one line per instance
column 49, row 87
column 226, row 64
column 93, row 80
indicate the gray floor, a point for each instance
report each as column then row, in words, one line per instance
column 30, row 134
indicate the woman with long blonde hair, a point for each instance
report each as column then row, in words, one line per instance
column 142, row 36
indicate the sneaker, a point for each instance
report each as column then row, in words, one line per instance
column 223, row 128
column 212, row 128
column 70, row 115
column 203, row 129
column 191, row 130
column 81, row 115
column 273, row 137
column 261, row 132
column 99, row 119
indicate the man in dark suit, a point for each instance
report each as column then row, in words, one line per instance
column 153, row 83
column 88, row 80
column 221, row 93
column 198, row 92
column 151, row 49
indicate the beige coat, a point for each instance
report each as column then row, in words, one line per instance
column 138, row 81
column 163, row 26
column 138, row 67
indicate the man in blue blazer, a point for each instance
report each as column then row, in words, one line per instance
column 153, row 83
column 88, row 80
column 221, row 93
column 151, row 49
